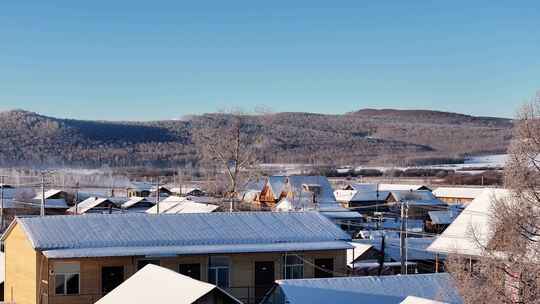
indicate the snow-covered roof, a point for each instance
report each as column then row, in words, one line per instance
column 284, row 205
column 192, row 233
column 418, row 300
column 377, row 289
column 416, row 247
column 405, row 187
column 362, row 187
column 133, row 201
column 370, row 196
column 471, row 231
column 344, row 195
column 167, row 204
column 50, row 203
column 141, row 186
column 416, row 197
column 443, row 217
column 185, row 189
column 48, row 194
column 9, row 192
column 88, row 204
column 184, row 204
column 155, row 284
column 298, row 184
column 357, row 250
column 191, row 207
column 458, row 192
column 342, row 214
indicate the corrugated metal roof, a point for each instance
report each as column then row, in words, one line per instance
column 88, row 204
column 380, row 289
column 370, row 196
column 169, row 233
column 417, row 197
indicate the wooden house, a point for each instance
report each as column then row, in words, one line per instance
column 139, row 189
column 457, row 195
column 418, row 203
column 79, row 259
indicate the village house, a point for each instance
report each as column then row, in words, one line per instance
column 79, row 259
column 457, row 195
column 93, row 205
column 472, row 230
column 18, row 205
column 417, row 202
column 368, row 256
column 177, row 204
column 137, row 204
column 303, row 192
column 139, row 189
column 187, row 191
column 439, row 220
column 366, row 290
column 156, row 284
column 56, row 201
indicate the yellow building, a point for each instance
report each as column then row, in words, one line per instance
column 78, row 259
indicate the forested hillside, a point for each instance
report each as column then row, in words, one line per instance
column 375, row 136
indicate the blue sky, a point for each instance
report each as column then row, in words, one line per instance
column 163, row 59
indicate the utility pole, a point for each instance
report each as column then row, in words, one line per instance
column 382, row 256
column 157, row 195
column 2, row 202
column 76, row 198
column 42, row 211
column 406, row 236
column 402, row 245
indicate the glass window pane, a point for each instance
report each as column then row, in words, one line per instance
column 72, row 284
column 212, row 276
column 223, row 277
column 298, row 272
column 59, row 283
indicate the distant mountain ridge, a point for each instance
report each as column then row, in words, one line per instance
column 359, row 137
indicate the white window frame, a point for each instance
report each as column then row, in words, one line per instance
column 286, row 266
column 217, row 268
column 67, row 269
column 66, row 274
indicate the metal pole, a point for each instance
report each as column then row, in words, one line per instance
column 402, row 240
column 157, row 195
column 2, row 202
column 77, row 198
column 42, row 212
column 406, row 235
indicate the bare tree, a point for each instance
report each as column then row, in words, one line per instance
column 509, row 271
column 231, row 142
